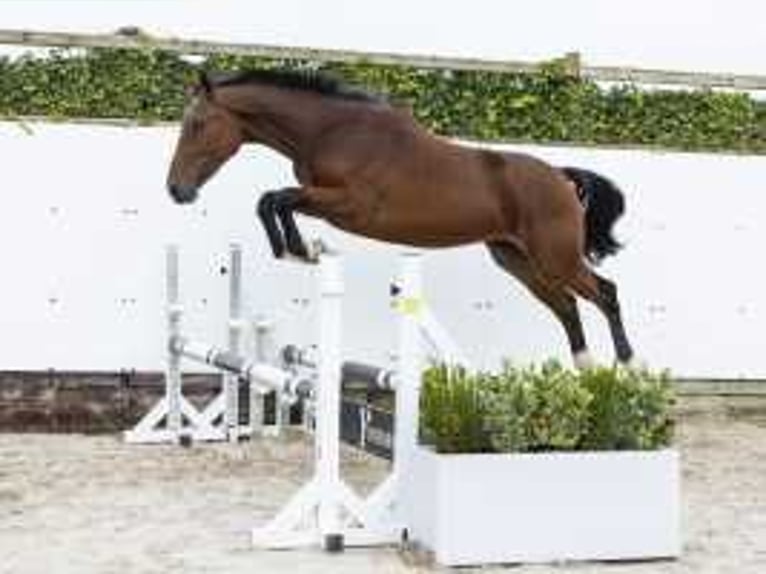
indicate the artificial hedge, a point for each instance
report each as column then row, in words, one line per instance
column 548, row 106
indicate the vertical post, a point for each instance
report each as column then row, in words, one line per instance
column 410, row 366
column 327, row 439
column 173, row 367
column 231, row 381
column 572, row 64
column 262, row 328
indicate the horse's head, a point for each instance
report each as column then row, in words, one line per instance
column 210, row 134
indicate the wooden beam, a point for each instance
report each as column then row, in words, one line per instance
column 134, row 38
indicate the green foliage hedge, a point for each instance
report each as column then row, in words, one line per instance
column 147, row 85
column 545, row 408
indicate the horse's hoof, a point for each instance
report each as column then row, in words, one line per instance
column 635, row 364
column 315, row 249
column 583, row 360
column 310, row 253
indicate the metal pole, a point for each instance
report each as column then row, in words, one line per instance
column 173, row 381
column 230, row 381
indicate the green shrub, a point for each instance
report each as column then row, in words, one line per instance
column 546, row 106
column 451, row 411
column 535, row 409
column 545, row 408
column 629, row 409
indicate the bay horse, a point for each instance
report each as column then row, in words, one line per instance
column 367, row 166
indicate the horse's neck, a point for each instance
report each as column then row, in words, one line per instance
column 284, row 120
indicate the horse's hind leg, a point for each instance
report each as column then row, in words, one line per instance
column 562, row 303
column 603, row 293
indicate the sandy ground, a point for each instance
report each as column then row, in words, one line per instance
column 86, row 505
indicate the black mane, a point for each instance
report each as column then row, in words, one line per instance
column 307, row 80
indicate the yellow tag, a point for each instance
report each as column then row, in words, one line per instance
column 409, row 305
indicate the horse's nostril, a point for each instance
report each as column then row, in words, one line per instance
column 182, row 194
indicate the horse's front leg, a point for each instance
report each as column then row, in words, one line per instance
column 285, row 203
column 276, row 210
column 337, row 205
column 267, row 213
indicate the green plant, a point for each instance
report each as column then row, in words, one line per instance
column 550, row 105
column 451, row 411
column 630, row 409
column 535, row 409
column 545, row 408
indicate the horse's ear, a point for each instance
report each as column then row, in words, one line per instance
column 203, row 86
column 204, row 83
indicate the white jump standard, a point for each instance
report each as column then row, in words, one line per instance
column 326, row 512
column 219, row 420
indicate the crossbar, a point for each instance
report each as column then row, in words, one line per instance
column 266, row 377
column 376, row 378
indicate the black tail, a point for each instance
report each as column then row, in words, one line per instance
column 604, row 204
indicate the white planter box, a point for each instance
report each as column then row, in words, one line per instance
column 500, row 508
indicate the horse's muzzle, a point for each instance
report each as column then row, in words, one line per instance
column 182, row 194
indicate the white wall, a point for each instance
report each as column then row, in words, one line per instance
column 86, row 217
column 706, row 35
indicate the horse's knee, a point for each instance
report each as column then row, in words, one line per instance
column 497, row 255
column 265, row 206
